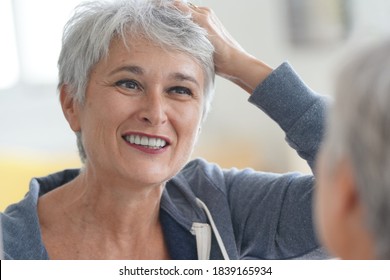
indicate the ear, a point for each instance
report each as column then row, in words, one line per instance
column 340, row 198
column 347, row 202
column 70, row 108
column 358, row 241
column 348, row 195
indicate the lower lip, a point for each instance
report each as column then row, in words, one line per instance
column 148, row 150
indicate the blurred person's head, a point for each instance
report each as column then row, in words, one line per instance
column 353, row 188
column 97, row 26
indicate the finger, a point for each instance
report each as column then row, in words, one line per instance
column 184, row 7
column 189, row 7
column 192, row 6
column 200, row 15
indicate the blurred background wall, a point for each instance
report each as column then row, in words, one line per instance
column 313, row 35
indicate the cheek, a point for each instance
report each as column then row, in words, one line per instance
column 188, row 119
column 99, row 125
column 328, row 221
column 187, row 126
column 320, row 209
column 324, row 214
column 95, row 122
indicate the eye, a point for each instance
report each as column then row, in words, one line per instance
column 128, row 84
column 181, row 91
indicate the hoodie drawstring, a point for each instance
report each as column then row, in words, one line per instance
column 203, row 235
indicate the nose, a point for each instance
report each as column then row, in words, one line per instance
column 153, row 109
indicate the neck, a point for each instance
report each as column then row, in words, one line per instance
column 113, row 205
column 113, row 220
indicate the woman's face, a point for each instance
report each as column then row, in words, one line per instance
column 142, row 113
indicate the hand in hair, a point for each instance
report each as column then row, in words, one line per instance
column 231, row 60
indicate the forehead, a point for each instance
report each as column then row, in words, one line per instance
column 150, row 56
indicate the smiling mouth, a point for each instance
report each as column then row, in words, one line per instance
column 146, row 142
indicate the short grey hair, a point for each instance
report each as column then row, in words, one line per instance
column 359, row 131
column 89, row 32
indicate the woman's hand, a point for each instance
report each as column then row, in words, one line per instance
column 231, row 60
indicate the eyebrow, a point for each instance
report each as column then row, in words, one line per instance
column 128, row 68
column 183, row 77
column 177, row 76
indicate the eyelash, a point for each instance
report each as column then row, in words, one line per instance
column 136, row 86
column 183, row 90
column 122, row 84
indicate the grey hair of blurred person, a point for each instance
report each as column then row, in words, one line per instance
column 89, row 32
column 359, row 131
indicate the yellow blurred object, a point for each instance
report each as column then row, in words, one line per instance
column 16, row 171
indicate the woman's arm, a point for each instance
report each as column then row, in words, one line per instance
column 279, row 93
column 271, row 213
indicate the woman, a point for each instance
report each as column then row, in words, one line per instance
column 136, row 80
column 354, row 164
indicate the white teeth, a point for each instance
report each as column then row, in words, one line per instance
column 144, row 141
column 153, row 143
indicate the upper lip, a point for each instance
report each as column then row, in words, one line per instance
column 166, row 139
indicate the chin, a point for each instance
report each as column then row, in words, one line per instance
column 149, row 176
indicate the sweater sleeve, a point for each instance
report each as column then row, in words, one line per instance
column 272, row 213
column 299, row 111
